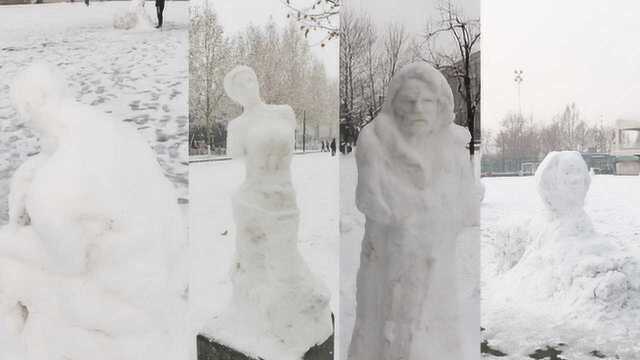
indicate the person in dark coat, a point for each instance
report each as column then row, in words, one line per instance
column 333, row 147
column 159, row 10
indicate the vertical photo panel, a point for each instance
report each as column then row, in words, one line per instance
column 263, row 173
column 560, row 165
column 93, row 180
column 410, row 186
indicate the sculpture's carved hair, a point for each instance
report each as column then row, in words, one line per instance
column 230, row 78
column 427, row 74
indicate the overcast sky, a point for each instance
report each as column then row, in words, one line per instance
column 236, row 15
column 412, row 13
column 570, row 51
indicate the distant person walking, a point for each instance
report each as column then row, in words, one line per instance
column 159, row 10
column 333, row 147
column 86, row 2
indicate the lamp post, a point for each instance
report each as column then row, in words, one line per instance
column 518, row 80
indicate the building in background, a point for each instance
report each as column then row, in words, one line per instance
column 626, row 147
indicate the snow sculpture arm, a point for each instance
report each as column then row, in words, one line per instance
column 235, row 138
column 369, row 199
column 290, row 118
column 472, row 189
column 20, row 183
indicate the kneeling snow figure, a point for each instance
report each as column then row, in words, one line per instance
column 571, row 284
column 90, row 251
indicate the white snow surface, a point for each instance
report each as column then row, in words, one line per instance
column 137, row 77
column 213, row 233
column 95, row 245
column 554, row 273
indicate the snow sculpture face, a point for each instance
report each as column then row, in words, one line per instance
column 415, row 107
column 420, row 100
column 241, row 84
column 563, row 181
column 39, row 85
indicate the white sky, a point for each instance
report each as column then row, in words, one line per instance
column 412, row 13
column 236, row 15
column 582, row 51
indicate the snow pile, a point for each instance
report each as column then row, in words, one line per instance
column 94, row 249
column 279, row 309
column 133, row 18
column 563, row 284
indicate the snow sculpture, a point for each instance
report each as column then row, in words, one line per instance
column 571, row 284
column 91, row 253
column 279, row 309
column 418, row 193
column 134, row 17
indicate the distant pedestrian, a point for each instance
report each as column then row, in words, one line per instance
column 159, row 10
column 86, row 2
column 333, row 147
column 323, row 148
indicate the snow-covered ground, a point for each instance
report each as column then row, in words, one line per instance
column 592, row 325
column 212, row 232
column 139, row 77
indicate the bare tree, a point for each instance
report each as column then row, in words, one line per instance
column 316, row 15
column 464, row 34
column 395, row 42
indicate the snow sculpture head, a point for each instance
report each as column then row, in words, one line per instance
column 241, row 85
column 38, row 86
column 420, row 100
column 563, row 181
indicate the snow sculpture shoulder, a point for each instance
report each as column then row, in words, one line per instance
column 279, row 309
column 418, row 193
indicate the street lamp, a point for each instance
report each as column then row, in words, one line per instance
column 518, row 80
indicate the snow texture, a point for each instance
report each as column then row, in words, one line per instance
column 136, row 77
column 554, row 279
column 282, row 307
column 94, row 249
column 421, row 200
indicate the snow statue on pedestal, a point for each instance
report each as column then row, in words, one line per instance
column 417, row 190
column 134, row 17
column 279, row 309
column 92, row 251
column 571, row 284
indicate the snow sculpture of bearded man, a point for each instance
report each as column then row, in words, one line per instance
column 418, row 193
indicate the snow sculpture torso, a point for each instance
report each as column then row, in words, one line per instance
column 417, row 190
column 281, row 304
column 96, row 230
column 571, row 283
